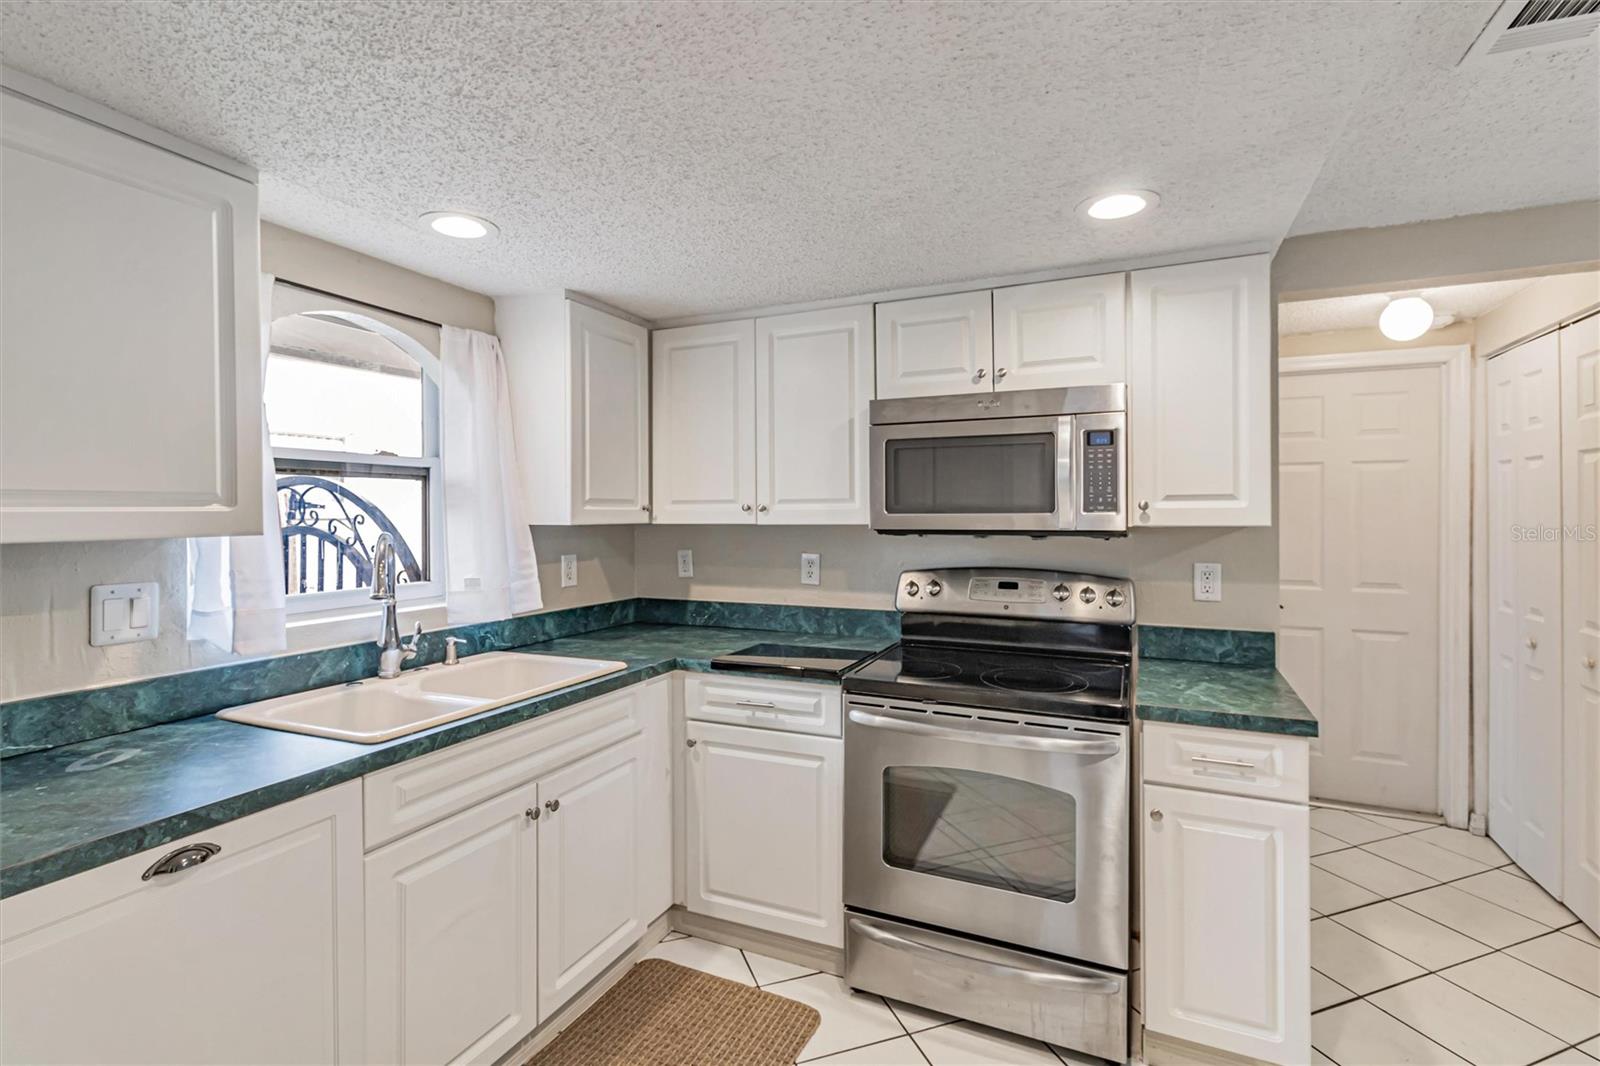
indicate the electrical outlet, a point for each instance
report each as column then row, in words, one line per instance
column 569, row 571
column 1208, row 582
column 685, row 562
column 810, row 568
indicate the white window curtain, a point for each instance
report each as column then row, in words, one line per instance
column 236, row 595
column 490, row 569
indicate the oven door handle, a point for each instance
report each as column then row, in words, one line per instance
column 1101, row 986
column 978, row 731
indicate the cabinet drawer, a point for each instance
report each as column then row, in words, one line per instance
column 783, row 705
column 1226, row 760
column 404, row 798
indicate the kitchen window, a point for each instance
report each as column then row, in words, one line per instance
column 352, row 404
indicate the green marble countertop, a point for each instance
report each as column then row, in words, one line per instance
column 1254, row 698
column 79, row 806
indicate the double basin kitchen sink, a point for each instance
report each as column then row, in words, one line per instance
column 376, row 710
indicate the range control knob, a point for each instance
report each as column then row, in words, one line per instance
column 1086, row 594
column 1061, row 593
column 912, row 588
column 1115, row 598
column 934, row 588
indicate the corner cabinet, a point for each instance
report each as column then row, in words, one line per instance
column 253, row 955
column 580, row 399
column 764, row 421
column 132, row 352
column 1200, row 394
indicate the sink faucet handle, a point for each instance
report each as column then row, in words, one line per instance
column 451, row 656
column 409, row 647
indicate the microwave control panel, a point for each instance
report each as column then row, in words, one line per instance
column 1102, row 493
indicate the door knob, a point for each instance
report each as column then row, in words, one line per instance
column 762, row 508
column 999, row 374
column 744, row 507
column 552, row 805
column 531, row 814
column 1144, row 505
column 1156, row 815
column 691, row 742
column 980, row 375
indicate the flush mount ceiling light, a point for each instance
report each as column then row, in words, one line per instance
column 1119, row 204
column 1406, row 318
column 457, row 224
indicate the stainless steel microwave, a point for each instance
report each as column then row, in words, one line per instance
column 1035, row 462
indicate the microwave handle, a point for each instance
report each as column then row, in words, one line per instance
column 978, row 731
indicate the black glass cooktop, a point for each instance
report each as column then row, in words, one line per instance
column 983, row 676
column 795, row 660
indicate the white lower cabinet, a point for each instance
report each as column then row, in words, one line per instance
column 764, row 829
column 252, row 956
column 1226, row 932
column 452, row 936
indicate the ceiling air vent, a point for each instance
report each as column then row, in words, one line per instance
column 1519, row 25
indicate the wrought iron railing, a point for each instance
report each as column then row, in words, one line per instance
column 328, row 534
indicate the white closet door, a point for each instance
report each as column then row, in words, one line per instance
column 813, row 384
column 1580, row 567
column 1525, row 745
column 703, row 417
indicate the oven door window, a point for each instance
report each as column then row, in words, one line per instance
column 981, row 828
column 1012, row 473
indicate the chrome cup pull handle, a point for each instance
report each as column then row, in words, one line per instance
column 175, row 862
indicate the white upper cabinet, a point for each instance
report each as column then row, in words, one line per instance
column 132, row 348
column 764, row 421
column 935, row 345
column 704, row 403
column 580, row 388
column 1200, row 394
column 1059, row 334
column 813, row 384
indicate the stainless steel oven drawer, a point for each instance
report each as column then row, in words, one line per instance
column 1077, row 1007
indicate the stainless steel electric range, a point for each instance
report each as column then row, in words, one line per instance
column 986, row 804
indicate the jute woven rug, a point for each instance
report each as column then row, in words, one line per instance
column 663, row 1014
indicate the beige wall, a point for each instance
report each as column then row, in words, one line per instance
column 859, row 567
column 1536, row 309
column 1341, row 341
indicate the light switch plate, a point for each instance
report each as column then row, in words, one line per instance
column 685, row 562
column 1208, row 582
column 810, row 568
column 124, row 613
column 569, row 571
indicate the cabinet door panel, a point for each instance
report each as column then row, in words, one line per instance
column 1059, row 334
column 704, row 423
column 813, row 384
column 611, row 376
column 765, row 835
column 1226, row 927
column 253, row 956
column 935, row 346
column 451, row 937
column 1199, row 394
column 588, row 870
column 132, row 355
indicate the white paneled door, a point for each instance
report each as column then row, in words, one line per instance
column 1580, row 568
column 611, row 397
column 935, row 345
column 704, row 414
column 1359, row 478
column 1524, row 552
column 1057, row 334
column 813, row 384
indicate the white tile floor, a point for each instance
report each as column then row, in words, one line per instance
column 1429, row 946
column 860, row 1029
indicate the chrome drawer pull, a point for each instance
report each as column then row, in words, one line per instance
column 754, row 703
column 1212, row 760
column 175, row 862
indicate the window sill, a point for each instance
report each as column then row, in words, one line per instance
column 337, row 626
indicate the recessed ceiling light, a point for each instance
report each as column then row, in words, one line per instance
column 1119, row 204
column 456, row 224
column 1406, row 318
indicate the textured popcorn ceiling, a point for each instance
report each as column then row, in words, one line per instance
column 1361, row 312
column 682, row 158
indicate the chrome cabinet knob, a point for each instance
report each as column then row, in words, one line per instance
column 1000, row 373
column 762, row 509
column 744, row 507
column 1156, row 815
column 934, row 588
column 691, row 742
column 1114, row 598
column 552, row 805
column 1533, row 642
column 1062, row 593
column 645, row 508
column 1588, row 662
column 1086, row 594
column 1144, row 505
column 912, row 588
column 980, row 375
column 531, row 814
